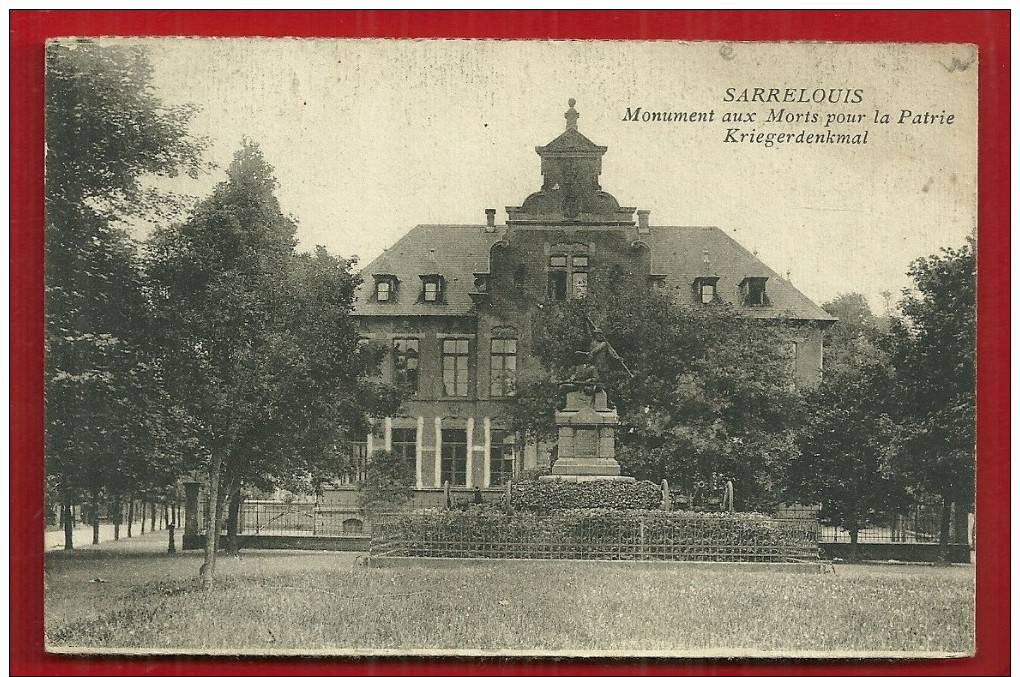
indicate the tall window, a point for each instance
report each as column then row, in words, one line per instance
column 791, row 350
column 579, row 276
column 504, row 367
column 354, row 470
column 453, row 464
column 568, row 276
column 558, row 278
column 405, row 444
column 455, row 367
column 383, row 290
column 405, row 364
column 501, row 458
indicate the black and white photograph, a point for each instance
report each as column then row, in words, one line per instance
column 510, row 348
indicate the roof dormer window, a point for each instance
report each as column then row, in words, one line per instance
column 706, row 290
column 385, row 288
column 432, row 288
column 752, row 292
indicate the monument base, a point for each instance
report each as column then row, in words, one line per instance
column 585, row 465
column 588, row 478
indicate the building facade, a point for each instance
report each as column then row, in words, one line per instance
column 453, row 306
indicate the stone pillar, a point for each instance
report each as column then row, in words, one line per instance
column 419, row 448
column 439, row 452
column 487, row 458
column 470, row 475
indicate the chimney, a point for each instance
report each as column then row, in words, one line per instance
column 642, row 220
column 490, row 220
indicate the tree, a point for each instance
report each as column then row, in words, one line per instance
column 388, row 483
column 105, row 130
column 259, row 344
column 848, row 435
column 934, row 352
column 711, row 391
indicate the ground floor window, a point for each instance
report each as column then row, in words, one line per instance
column 404, row 443
column 355, row 465
column 453, row 464
column 501, row 458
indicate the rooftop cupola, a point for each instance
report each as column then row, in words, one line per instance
column 571, row 165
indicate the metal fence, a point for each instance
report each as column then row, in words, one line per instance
column 337, row 513
column 644, row 536
column 296, row 518
column 920, row 524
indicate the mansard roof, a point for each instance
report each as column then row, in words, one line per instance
column 680, row 254
column 570, row 194
column 454, row 251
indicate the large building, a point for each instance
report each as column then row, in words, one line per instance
column 453, row 304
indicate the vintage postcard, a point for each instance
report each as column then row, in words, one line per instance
column 388, row 347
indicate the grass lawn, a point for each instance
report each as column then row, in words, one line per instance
column 322, row 602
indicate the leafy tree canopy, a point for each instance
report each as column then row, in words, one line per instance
column 848, row 434
column 105, row 130
column 259, row 345
column 711, row 392
column 934, row 352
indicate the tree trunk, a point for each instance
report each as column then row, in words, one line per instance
column 226, row 495
column 233, row 542
column 152, row 524
column 944, row 524
column 95, row 516
column 131, row 513
column 177, row 507
column 68, row 521
column 60, row 521
column 854, row 554
column 117, row 509
column 209, row 565
column 142, row 521
column 961, row 523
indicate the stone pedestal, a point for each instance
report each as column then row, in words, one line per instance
column 587, row 440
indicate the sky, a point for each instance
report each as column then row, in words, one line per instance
column 371, row 137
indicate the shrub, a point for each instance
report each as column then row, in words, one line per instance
column 543, row 496
column 483, row 531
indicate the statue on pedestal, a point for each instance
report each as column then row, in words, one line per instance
column 591, row 375
column 586, row 441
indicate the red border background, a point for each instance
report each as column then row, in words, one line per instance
column 989, row 29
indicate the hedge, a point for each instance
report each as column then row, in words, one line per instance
column 482, row 532
column 543, row 496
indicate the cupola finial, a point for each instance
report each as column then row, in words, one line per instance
column 571, row 115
